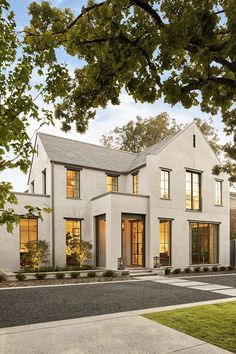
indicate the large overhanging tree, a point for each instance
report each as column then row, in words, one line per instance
column 182, row 51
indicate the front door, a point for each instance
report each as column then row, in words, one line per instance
column 137, row 242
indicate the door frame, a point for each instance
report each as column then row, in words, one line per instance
column 138, row 217
column 97, row 218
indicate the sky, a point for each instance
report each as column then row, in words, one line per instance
column 106, row 119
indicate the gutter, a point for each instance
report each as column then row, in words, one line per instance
column 53, row 214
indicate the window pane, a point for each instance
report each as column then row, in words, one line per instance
column 218, row 193
column 165, row 242
column 165, row 192
column 112, row 184
column 204, row 240
column 193, row 193
column 135, row 183
column 28, row 232
column 73, row 184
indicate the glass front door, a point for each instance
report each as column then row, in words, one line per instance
column 137, row 242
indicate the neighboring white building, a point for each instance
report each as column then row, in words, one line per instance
column 163, row 201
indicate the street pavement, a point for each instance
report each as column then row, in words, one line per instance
column 120, row 333
column 45, row 304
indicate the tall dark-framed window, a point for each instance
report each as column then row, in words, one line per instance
column 218, row 192
column 165, row 242
column 112, row 183
column 135, row 183
column 73, row 183
column 204, row 243
column 165, row 184
column 32, row 187
column 44, row 181
column 28, row 233
column 193, row 190
column 73, row 236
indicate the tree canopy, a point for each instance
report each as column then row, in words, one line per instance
column 138, row 135
column 182, row 51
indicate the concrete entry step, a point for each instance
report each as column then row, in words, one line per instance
column 146, row 272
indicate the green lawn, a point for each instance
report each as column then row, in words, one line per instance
column 215, row 324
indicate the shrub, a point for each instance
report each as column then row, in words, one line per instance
column 230, row 268
column 206, row 269
column 187, row 270
column 40, row 276
column 124, row 273
column 167, row 271
column 78, row 250
column 2, row 278
column 215, row 269
column 37, row 252
column 46, row 269
column 109, row 273
column 177, row 270
column 75, row 275
column 91, row 274
column 197, row 269
column 222, row 268
column 60, row 275
column 20, row 276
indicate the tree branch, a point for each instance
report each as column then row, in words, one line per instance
column 146, row 7
column 197, row 84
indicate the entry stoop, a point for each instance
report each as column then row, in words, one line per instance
column 145, row 272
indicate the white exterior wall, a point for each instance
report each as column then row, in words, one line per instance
column 40, row 162
column 10, row 243
column 178, row 155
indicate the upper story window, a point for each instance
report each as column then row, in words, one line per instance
column 44, row 182
column 165, row 184
column 193, row 190
column 112, row 183
column 135, row 183
column 73, row 183
column 32, row 187
column 218, row 193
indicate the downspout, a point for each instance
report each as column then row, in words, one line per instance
column 53, row 215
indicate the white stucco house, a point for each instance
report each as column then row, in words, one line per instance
column 163, row 201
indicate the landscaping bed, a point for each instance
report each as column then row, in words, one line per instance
column 54, row 281
column 214, row 324
column 55, row 278
column 177, row 272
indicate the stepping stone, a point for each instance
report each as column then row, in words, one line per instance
column 211, row 287
column 229, row 292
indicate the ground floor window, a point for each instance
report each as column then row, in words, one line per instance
column 28, row 233
column 204, row 243
column 73, row 234
column 165, row 242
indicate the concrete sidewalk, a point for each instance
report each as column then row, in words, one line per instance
column 125, row 332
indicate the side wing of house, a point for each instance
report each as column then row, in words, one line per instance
column 189, row 207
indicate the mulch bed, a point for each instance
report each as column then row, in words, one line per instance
column 182, row 274
column 14, row 284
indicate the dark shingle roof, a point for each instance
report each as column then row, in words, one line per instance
column 74, row 152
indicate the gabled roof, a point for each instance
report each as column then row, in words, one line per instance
column 74, row 152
